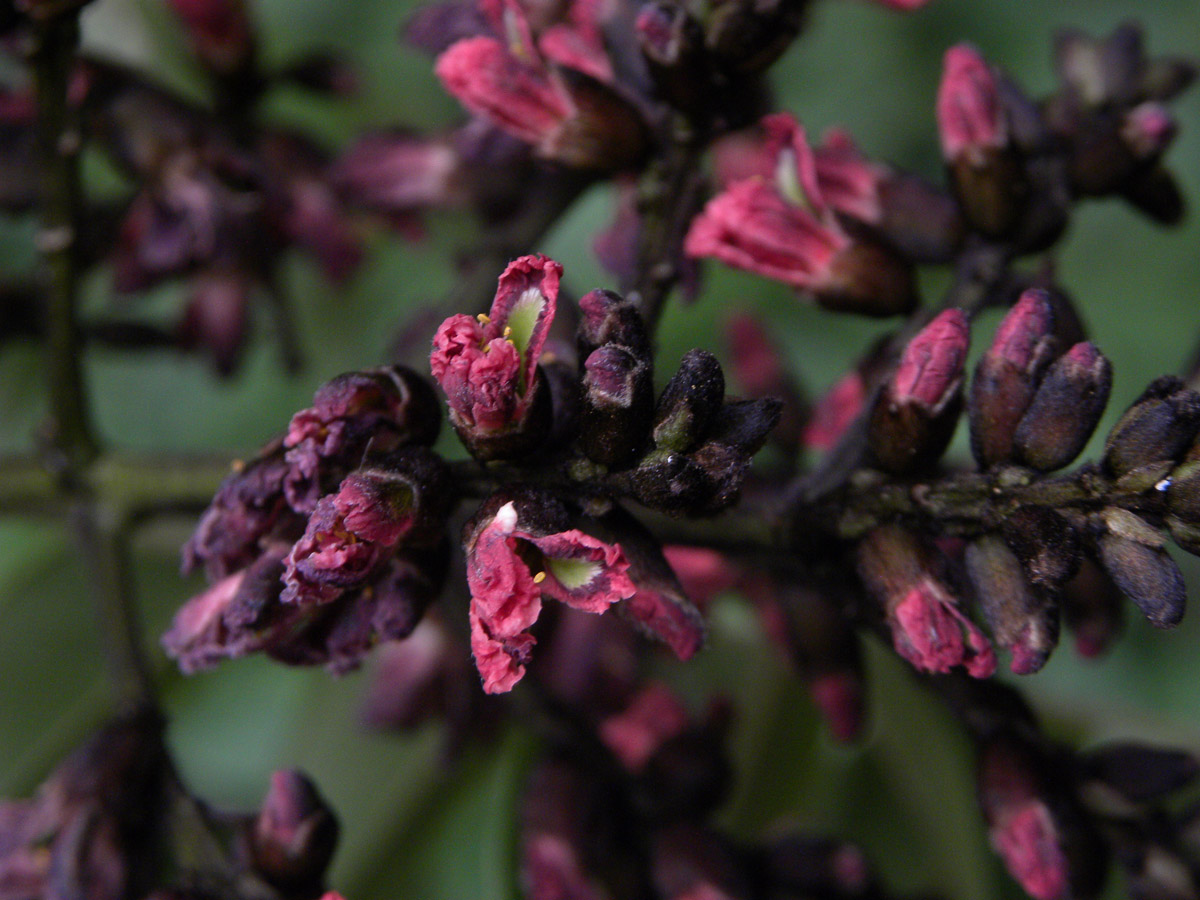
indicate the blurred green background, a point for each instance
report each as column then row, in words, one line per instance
column 413, row 829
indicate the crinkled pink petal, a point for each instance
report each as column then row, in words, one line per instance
column 576, row 49
column 500, row 661
column 792, row 158
column 503, row 591
column 520, row 97
column 931, row 366
column 1028, row 841
column 749, row 226
column 970, row 116
column 850, row 183
column 674, row 621
column 527, row 279
column 609, row 581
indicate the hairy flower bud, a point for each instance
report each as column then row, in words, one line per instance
column 1007, row 376
column 689, row 403
column 618, row 402
column 608, row 318
column 915, row 413
column 1064, row 411
column 1132, row 552
column 295, row 834
column 1159, row 425
column 1046, row 543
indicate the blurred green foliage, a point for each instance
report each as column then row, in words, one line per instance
column 412, row 828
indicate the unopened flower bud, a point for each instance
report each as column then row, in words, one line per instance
column 976, row 142
column 1020, row 618
column 746, row 37
column 567, row 116
column 295, row 834
column 915, row 413
column 1046, row 543
column 1007, row 376
column 618, row 402
column 672, row 41
column 928, row 628
column 1065, row 410
column 609, row 318
column 689, row 403
column 1148, row 130
column 1160, row 425
column 1132, row 552
column 219, row 32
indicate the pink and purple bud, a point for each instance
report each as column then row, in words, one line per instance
column 510, row 567
column 354, row 531
column 487, row 366
column 928, row 628
column 1008, row 375
column 970, row 113
column 397, row 174
column 295, row 834
column 915, row 413
column 783, row 225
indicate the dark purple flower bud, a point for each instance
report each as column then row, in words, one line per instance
column 404, row 496
column 928, row 628
column 1065, row 410
column 1132, row 552
column 248, row 507
column 924, row 222
column 380, row 409
column 608, row 318
column 1047, row 545
column 689, row 403
column 1007, row 376
column 745, row 37
column 1021, row 619
column 1159, row 425
column 294, row 835
column 672, row 42
column 915, row 413
column 618, row 402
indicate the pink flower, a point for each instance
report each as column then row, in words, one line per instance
column 488, row 366
column 782, row 222
column 835, row 411
column 970, row 116
column 506, row 594
column 653, row 717
column 930, row 631
column 519, row 95
column 1028, row 841
column 931, row 367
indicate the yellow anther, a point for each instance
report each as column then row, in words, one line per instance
column 539, row 577
column 507, row 331
column 483, row 318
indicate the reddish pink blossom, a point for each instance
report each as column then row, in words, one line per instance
column 930, row 631
column 349, row 535
column 849, row 182
column 970, row 116
column 578, row 43
column 751, row 226
column 931, row 366
column 655, row 715
column 488, row 366
column 218, row 30
column 506, row 596
column 399, row 173
column 551, row 870
column 519, row 95
column 835, row 411
column 839, row 698
column 1028, row 841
